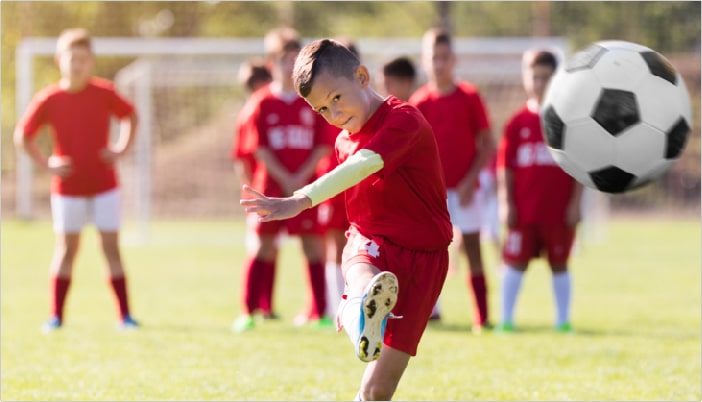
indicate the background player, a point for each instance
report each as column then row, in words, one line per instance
column 84, row 186
column 395, row 200
column 456, row 112
column 289, row 144
column 254, row 74
column 542, row 202
column 399, row 78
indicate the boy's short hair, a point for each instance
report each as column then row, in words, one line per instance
column 322, row 55
column 539, row 57
column 252, row 71
column 399, row 67
column 74, row 37
column 437, row 36
column 278, row 41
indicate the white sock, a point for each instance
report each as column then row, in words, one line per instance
column 561, row 293
column 435, row 311
column 332, row 275
column 511, row 283
column 350, row 317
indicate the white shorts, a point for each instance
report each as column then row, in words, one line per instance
column 468, row 218
column 72, row 213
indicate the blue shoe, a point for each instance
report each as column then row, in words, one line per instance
column 51, row 325
column 377, row 302
column 128, row 324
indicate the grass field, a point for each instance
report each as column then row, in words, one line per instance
column 636, row 310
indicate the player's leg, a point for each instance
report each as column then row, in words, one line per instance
column 69, row 216
column 517, row 250
column 107, row 218
column 254, row 273
column 336, row 240
column 559, row 241
column 313, row 248
column 381, row 377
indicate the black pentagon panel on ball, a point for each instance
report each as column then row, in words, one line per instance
column 553, row 128
column 585, row 58
column 676, row 138
column 616, row 110
column 611, row 179
column 660, row 66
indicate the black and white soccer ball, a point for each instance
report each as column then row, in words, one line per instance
column 616, row 116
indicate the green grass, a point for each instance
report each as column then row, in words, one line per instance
column 636, row 310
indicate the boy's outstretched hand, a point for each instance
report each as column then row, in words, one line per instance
column 271, row 208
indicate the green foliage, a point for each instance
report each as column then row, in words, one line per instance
column 636, row 312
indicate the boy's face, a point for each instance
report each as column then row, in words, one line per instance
column 439, row 62
column 536, row 79
column 399, row 87
column 76, row 63
column 342, row 101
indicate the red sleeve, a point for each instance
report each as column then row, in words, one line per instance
column 119, row 106
column 482, row 121
column 35, row 116
column 506, row 149
column 399, row 134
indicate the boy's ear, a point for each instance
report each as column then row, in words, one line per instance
column 363, row 76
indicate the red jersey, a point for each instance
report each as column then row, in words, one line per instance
column 405, row 201
column 456, row 119
column 80, row 127
column 542, row 190
column 289, row 128
column 244, row 143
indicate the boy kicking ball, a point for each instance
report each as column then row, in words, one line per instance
column 396, row 256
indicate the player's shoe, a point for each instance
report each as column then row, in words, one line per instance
column 128, row 324
column 479, row 328
column 377, row 302
column 51, row 325
column 505, row 328
column 324, row 323
column 564, row 328
column 244, row 323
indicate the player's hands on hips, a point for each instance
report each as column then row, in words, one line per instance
column 272, row 208
column 61, row 166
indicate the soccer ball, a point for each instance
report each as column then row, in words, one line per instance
column 616, row 116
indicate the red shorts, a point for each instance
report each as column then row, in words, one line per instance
column 303, row 224
column 420, row 275
column 528, row 240
column 332, row 214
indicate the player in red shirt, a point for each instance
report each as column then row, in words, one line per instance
column 456, row 112
column 84, row 186
column 400, row 229
column 542, row 202
column 290, row 142
column 254, row 74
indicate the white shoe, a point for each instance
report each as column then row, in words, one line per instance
column 377, row 302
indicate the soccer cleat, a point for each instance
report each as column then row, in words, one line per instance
column 128, row 324
column 51, row 325
column 505, row 328
column 323, row 323
column 377, row 302
column 244, row 323
column 564, row 328
column 479, row 328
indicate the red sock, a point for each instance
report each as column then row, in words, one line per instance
column 479, row 285
column 252, row 276
column 119, row 285
column 58, row 289
column 265, row 297
column 318, row 289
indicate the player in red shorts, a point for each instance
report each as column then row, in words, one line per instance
column 542, row 202
column 456, row 112
column 84, row 186
column 290, row 142
column 396, row 256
